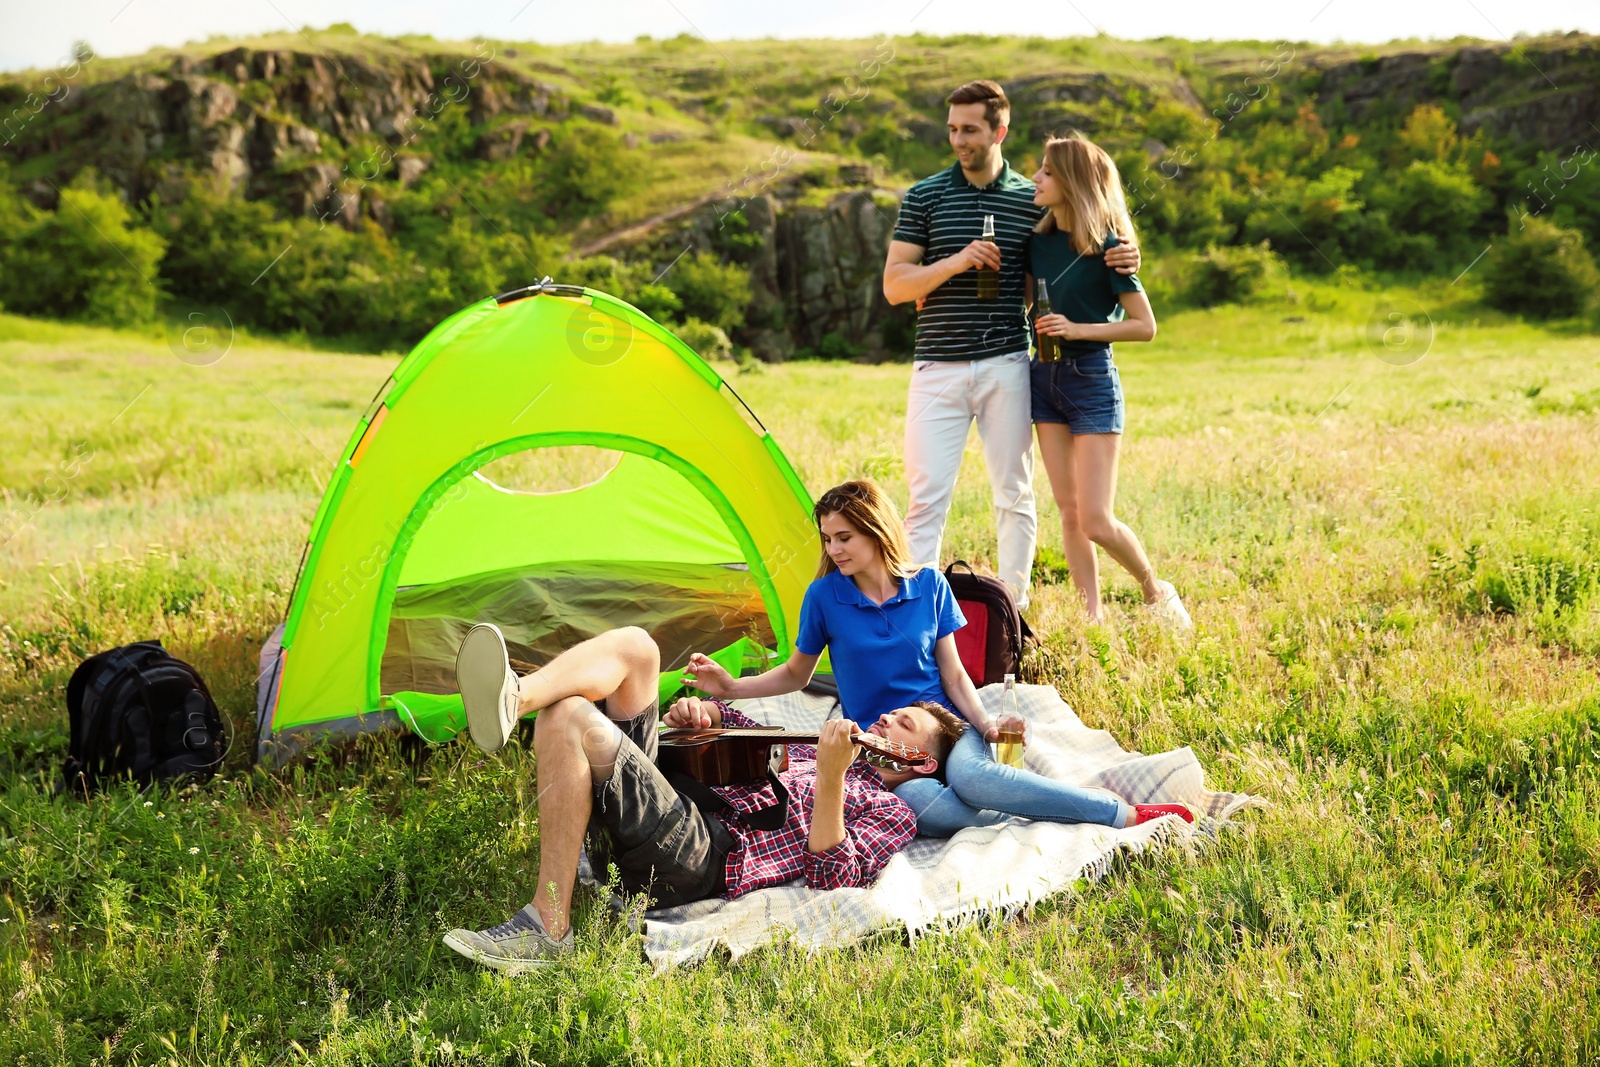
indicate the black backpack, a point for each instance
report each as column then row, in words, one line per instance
column 139, row 713
column 991, row 643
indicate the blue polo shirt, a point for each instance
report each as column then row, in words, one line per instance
column 882, row 654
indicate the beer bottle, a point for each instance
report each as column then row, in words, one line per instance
column 1048, row 347
column 1012, row 735
column 988, row 277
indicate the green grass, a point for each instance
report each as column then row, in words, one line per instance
column 1394, row 574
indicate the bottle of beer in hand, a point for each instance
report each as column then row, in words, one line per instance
column 988, row 277
column 1048, row 347
column 1012, row 728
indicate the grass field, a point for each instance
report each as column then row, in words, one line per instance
column 1393, row 559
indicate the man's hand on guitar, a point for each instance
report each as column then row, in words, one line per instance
column 693, row 713
column 835, row 750
column 708, row 676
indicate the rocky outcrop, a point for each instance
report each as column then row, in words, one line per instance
column 510, row 140
column 829, row 267
column 1397, row 82
column 1549, row 99
column 269, row 122
column 1561, row 120
column 816, row 278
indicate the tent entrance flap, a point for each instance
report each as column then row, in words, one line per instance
column 550, row 607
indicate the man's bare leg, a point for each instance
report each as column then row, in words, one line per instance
column 621, row 667
column 576, row 749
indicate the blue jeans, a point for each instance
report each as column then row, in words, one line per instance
column 983, row 792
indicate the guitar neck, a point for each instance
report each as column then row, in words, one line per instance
column 777, row 735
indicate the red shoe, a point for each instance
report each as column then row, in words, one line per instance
column 1143, row 813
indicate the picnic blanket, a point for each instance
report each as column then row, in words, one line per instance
column 938, row 881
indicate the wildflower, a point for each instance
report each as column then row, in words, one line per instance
column 194, row 851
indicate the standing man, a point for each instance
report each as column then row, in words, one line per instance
column 971, row 357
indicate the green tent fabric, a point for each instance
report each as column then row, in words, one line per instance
column 701, row 532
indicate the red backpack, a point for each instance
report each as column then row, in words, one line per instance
column 991, row 642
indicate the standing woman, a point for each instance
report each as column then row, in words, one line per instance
column 1077, row 392
column 889, row 627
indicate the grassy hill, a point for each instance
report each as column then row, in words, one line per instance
column 454, row 169
column 1391, row 560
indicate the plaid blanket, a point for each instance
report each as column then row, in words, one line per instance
column 980, row 870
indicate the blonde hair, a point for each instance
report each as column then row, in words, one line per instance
column 1093, row 188
column 869, row 509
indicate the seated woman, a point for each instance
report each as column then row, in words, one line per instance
column 889, row 628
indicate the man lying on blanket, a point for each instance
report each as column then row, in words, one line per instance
column 595, row 747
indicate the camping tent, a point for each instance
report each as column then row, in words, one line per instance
column 697, row 529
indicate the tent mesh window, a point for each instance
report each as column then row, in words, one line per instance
column 636, row 546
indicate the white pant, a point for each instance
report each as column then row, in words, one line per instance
column 944, row 399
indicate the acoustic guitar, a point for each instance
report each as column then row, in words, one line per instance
column 724, row 755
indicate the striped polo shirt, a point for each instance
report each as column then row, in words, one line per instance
column 943, row 214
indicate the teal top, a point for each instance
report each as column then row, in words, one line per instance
column 1081, row 287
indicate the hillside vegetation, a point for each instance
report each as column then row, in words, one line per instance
column 328, row 184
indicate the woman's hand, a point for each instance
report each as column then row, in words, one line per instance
column 708, row 676
column 1057, row 326
column 693, row 713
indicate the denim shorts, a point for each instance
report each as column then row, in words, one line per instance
column 661, row 843
column 1081, row 389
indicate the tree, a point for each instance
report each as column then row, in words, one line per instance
column 1428, row 134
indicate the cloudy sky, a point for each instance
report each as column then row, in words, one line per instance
column 37, row 34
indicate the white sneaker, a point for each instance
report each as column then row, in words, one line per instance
column 488, row 686
column 1169, row 610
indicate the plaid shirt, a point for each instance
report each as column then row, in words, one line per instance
column 877, row 824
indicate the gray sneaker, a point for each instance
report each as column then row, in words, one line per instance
column 488, row 686
column 516, row 945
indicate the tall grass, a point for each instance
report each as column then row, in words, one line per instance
column 1393, row 572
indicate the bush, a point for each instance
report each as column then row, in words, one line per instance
column 334, row 282
column 708, row 340
column 1319, row 222
column 86, row 260
column 1229, row 274
column 711, row 290
column 584, row 170
column 1432, row 207
column 626, row 281
column 1540, row 269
